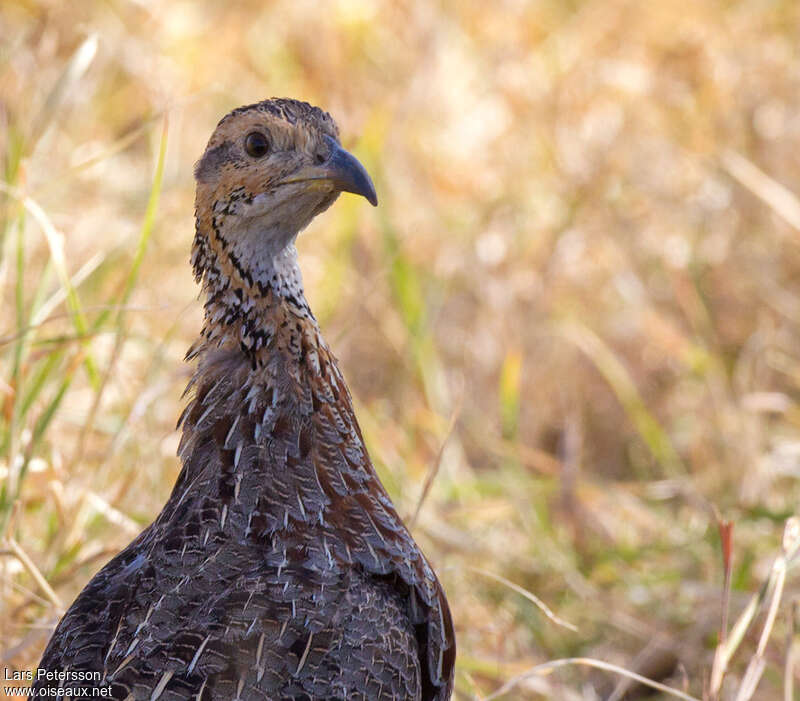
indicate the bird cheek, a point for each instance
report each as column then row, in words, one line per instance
column 261, row 204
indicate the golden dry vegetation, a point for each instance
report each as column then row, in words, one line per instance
column 579, row 300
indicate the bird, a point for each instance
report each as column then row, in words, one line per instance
column 279, row 568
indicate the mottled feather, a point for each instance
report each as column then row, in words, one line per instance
column 278, row 568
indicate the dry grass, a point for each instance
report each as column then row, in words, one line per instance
column 586, row 263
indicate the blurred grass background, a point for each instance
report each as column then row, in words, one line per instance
column 579, row 301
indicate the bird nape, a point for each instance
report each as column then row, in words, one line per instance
column 279, row 568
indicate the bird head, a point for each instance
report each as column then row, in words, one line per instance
column 268, row 170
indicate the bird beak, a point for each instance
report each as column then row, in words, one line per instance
column 348, row 175
column 343, row 170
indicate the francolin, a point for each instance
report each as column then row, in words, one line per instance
column 279, row 568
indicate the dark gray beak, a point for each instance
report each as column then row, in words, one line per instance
column 347, row 174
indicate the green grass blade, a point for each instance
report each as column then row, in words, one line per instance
column 130, row 282
column 55, row 242
column 149, row 220
column 614, row 372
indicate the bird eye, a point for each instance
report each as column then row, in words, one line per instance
column 256, row 144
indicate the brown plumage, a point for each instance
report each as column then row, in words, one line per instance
column 279, row 568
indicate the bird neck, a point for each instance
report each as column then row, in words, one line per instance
column 265, row 380
column 254, row 304
column 253, row 288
